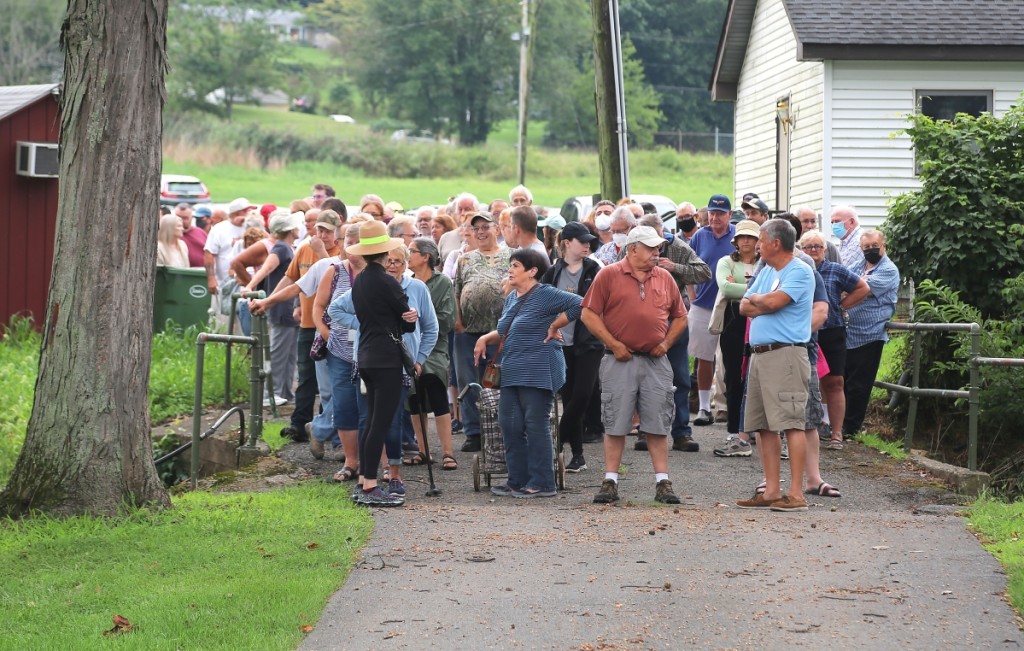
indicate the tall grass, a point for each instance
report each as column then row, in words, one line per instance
column 171, row 380
column 224, row 571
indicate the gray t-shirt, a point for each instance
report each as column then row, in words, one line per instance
column 569, row 282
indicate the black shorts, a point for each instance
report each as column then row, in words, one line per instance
column 833, row 345
column 437, row 396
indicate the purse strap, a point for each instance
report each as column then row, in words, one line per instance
column 501, row 342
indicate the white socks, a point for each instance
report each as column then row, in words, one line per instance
column 705, row 399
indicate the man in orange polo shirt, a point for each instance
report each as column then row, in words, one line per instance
column 324, row 245
column 628, row 308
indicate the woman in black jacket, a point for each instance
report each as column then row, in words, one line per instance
column 383, row 313
column 574, row 272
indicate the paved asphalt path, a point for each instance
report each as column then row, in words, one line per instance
column 890, row 565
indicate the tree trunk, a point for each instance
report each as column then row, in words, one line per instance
column 88, row 449
column 604, row 80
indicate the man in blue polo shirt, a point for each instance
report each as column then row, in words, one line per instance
column 710, row 244
column 779, row 305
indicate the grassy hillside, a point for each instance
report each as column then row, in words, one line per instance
column 552, row 175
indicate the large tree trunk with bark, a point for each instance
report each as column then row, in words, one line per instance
column 88, row 449
column 604, row 80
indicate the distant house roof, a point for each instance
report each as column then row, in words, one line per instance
column 15, row 98
column 892, row 30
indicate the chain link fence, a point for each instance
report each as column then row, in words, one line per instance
column 717, row 142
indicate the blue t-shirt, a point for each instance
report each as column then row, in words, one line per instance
column 710, row 249
column 792, row 323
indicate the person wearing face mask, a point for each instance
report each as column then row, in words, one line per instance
column 847, row 230
column 601, row 218
column 686, row 221
column 865, row 332
column 623, row 219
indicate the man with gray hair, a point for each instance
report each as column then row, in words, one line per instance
column 779, row 304
column 846, row 228
column 809, row 220
column 424, row 215
column 686, row 221
column 464, row 207
column 623, row 219
column 520, row 196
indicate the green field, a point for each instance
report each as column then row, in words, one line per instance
column 552, row 175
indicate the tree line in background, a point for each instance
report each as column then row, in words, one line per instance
column 445, row 66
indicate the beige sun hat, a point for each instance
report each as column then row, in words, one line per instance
column 746, row 227
column 373, row 238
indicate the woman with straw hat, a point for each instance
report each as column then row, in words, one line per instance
column 382, row 309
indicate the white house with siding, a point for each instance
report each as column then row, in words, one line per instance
column 822, row 90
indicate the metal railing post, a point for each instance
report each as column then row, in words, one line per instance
column 908, row 438
column 227, row 353
column 256, row 375
column 973, row 401
column 197, row 408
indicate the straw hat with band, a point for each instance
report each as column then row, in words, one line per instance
column 373, row 238
column 746, row 227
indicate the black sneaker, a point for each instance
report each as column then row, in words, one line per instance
column 593, row 437
column 641, row 443
column 378, row 497
column 576, row 464
column 456, row 425
column 685, row 444
column 663, row 493
column 299, row 436
column 472, row 444
column 609, row 492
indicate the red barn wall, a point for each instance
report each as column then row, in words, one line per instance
column 28, row 215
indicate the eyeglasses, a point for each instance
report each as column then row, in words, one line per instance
column 394, row 263
column 409, row 234
column 812, row 247
column 411, row 251
column 481, row 229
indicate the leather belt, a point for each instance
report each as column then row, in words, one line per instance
column 635, row 353
column 765, row 348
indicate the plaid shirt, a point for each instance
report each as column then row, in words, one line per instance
column 867, row 320
column 838, row 279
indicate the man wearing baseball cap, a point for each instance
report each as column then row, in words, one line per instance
column 711, row 244
column 755, row 209
column 629, row 308
column 221, row 241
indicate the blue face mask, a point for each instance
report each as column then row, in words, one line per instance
column 838, row 230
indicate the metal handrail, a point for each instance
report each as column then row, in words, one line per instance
column 208, row 433
column 974, row 382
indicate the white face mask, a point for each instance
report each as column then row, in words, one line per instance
column 619, row 239
column 603, row 222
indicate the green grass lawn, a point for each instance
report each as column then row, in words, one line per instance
column 552, row 175
column 1000, row 526
column 217, row 571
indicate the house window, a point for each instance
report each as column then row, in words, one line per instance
column 945, row 104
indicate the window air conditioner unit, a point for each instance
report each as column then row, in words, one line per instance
column 37, row 159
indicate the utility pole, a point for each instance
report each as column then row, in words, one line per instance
column 524, row 90
column 611, row 104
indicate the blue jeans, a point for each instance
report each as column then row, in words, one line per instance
column 467, row 372
column 323, row 423
column 244, row 318
column 396, row 433
column 680, row 362
column 524, row 416
column 348, row 404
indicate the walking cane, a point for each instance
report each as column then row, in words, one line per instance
column 433, row 491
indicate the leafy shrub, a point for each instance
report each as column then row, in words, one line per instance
column 969, row 210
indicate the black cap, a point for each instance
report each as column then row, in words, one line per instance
column 577, row 231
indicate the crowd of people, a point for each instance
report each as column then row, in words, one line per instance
column 388, row 315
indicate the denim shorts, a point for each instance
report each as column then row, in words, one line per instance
column 344, row 393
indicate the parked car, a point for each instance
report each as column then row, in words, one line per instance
column 175, row 189
column 417, row 135
column 576, row 208
column 344, row 119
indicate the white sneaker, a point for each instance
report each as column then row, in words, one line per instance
column 278, row 400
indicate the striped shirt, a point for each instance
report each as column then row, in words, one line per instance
column 526, row 360
column 868, row 319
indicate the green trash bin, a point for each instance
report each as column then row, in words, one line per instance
column 180, row 295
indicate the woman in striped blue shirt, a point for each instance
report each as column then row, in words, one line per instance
column 532, row 369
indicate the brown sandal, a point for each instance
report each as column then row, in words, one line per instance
column 448, row 462
column 417, row 459
column 345, row 474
